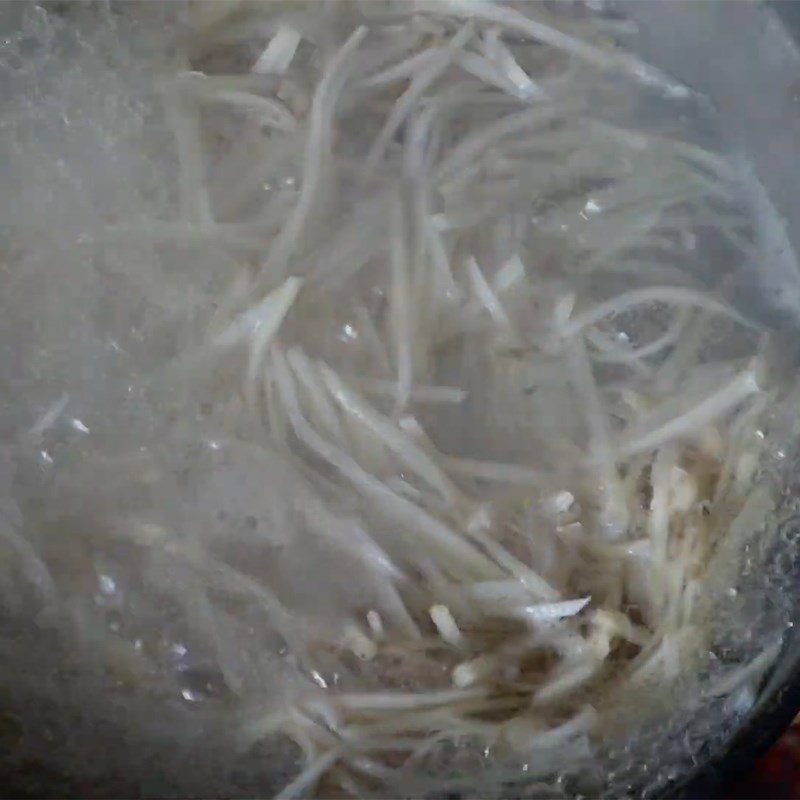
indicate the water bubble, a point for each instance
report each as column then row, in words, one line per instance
column 318, row 679
column 789, row 531
column 177, row 651
column 785, row 562
column 592, row 207
column 108, row 586
column 348, row 333
column 79, row 426
column 201, row 683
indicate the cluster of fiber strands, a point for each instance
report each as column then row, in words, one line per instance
column 501, row 424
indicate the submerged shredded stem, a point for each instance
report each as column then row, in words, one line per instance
column 317, row 147
column 459, row 447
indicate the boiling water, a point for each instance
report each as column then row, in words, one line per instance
column 151, row 519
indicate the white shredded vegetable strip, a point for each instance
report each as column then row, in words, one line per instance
column 439, row 535
column 270, row 112
column 49, row 417
column 419, row 84
column 472, row 146
column 488, row 72
column 547, row 612
column 278, row 54
column 614, row 515
column 405, row 69
column 406, row 450
column 375, row 623
column 511, row 273
column 194, row 200
column 380, row 701
column 660, row 512
column 496, row 50
column 300, row 786
column 492, row 471
column 714, row 406
column 318, row 145
column 676, row 295
column 323, row 412
column 488, row 299
column 512, row 19
column 469, row 673
column 419, row 394
column 263, row 319
column 401, row 318
column 446, row 625
column 612, row 352
column 33, row 566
